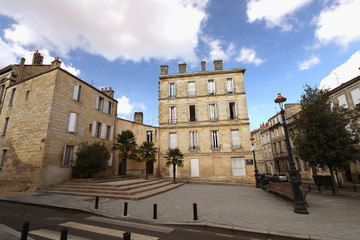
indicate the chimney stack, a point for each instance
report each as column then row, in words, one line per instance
column 203, row 66
column 37, row 58
column 164, row 69
column 182, row 67
column 218, row 65
column 108, row 92
column 138, row 117
column 56, row 63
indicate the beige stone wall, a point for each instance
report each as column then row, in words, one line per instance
column 140, row 130
column 214, row 164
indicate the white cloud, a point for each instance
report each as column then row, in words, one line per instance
column 125, row 108
column 129, row 30
column 343, row 73
column 248, row 55
column 307, row 64
column 276, row 13
column 216, row 51
column 7, row 56
column 338, row 22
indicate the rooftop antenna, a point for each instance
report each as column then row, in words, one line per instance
column 92, row 83
column 337, row 79
column 152, row 123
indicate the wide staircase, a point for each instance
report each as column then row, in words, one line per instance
column 131, row 188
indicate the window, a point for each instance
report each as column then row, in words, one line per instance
column 76, row 92
column 108, row 132
column 272, row 134
column 96, row 129
column 193, row 140
column 2, row 89
column 172, row 114
column 106, row 106
column 280, row 147
column 213, row 113
column 215, row 143
column 27, row 94
column 192, row 113
column 110, row 161
column 342, row 101
column 69, row 156
column 211, row 87
column 275, row 150
column 171, row 90
column 277, row 132
column 72, row 122
column 229, row 85
column 12, row 97
column 99, row 103
column 5, row 123
column 149, row 136
column 103, row 131
column 173, row 140
column 191, row 89
column 238, row 167
column 232, row 111
column 3, row 155
column 235, row 138
column 355, row 94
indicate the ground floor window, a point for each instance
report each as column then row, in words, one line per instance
column 69, row 156
column 2, row 159
column 238, row 166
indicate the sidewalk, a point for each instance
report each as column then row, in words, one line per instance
column 235, row 207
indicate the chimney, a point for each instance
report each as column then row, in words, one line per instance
column 182, row 67
column 56, row 63
column 108, row 92
column 138, row 117
column 37, row 58
column 203, row 66
column 164, row 69
column 218, row 65
column 21, row 70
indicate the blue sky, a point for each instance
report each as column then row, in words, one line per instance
column 282, row 44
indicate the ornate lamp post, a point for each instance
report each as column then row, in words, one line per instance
column 257, row 180
column 295, row 178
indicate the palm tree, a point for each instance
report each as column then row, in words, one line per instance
column 175, row 158
column 147, row 153
column 126, row 144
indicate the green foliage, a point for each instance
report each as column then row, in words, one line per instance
column 90, row 159
column 147, row 152
column 174, row 157
column 326, row 136
column 126, row 144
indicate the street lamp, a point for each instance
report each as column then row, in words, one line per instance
column 295, row 178
column 257, row 180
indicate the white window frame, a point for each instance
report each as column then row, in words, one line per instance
column 68, row 156
column 238, row 167
column 106, row 106
column 111, row 159
column 172, row 140
column 172, row 114
column 77, row 92
column 235, row 138
column 355, row 95
column 94, row 126
column 215, row 139
column 211, row 87
column 230, row 85
column 193, row 140
column 191, row 89
column 233, row 110
column 72, row 122
column 103, row 131
column 172, row 90
column 342, row 101
column 149, row 136
column 213, row 112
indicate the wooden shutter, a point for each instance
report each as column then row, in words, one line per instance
column 235, row 138
column 76, row 91
column 111, row 133
column 72, row 122
column 93, row 134
column 173, row 140
column 103, row 131
column 106, row 106
column 229, row 85
column 97, row 102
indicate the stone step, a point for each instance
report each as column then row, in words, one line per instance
column 113, row 183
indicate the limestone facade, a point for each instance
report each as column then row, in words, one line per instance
column 45, row 115
column 205, row 115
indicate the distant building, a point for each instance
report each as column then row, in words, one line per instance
column 46, row 112
column 205, row 115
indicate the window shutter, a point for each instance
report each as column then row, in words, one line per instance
column 64, row 156
column 229, row 85
column 110, row 161
column 173, row 140
column 191, row 139
column 103, row 131
column 111, row 133
column 106, row 106
column 235, row 138
column 110, row 108
column 76, row 148
column 72, row 122
column 174, row 109
column 97, row 102
column 94, row 129
column 76, row 91
column 355, row 94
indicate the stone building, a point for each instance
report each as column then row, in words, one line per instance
column 205, row 115
column 347, row 95
column 46, row 112
column 143, row 133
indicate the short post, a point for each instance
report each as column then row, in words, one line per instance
column 125, row 209
column 155, row 212
column 64, row 234
column 319, row 189
column 126, row 236
column 96, row 202
column 195, row 211
column 309, row 187
column 25, row 230
column 355, row 190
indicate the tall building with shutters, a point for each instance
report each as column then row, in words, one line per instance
column 205, row 115
column 46, row 112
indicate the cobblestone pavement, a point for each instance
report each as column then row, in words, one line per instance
column 243, row 207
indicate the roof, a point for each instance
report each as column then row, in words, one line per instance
column 345, row 84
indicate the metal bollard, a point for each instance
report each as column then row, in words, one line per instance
column 96, row 202
column 155, row 212
column 355, row 190
column 25, row 230
column 64, row 234
column 127, row 236
column 125, row 209
column 319, row 189
column 309, row 188
column 195, row 211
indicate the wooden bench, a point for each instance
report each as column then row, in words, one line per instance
column 285, row 190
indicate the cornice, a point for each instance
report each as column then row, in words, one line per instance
column 205, row 73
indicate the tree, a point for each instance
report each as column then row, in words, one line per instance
column 326, row 135
column 175, row 158
column 147, row 153
column 126, row 145
column 90, row 159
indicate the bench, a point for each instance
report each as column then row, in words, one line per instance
column 285, row 190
